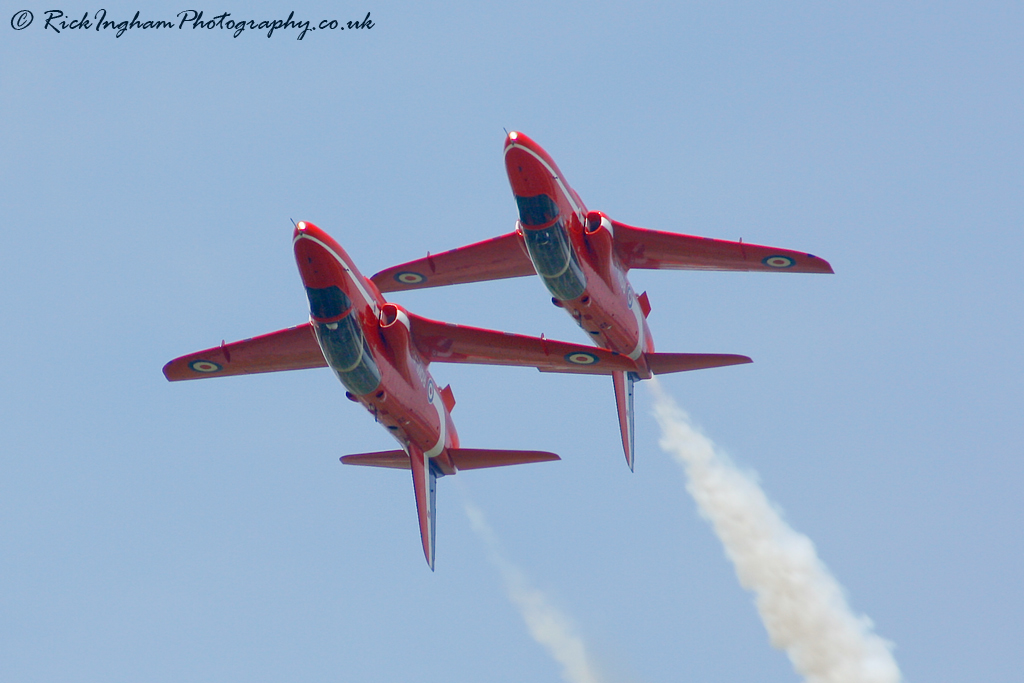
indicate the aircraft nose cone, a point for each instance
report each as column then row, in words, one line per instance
column 516, row 137
column 522, row 140
column 530, row 173
column 318, row 266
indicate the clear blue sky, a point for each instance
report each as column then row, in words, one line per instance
column 206, row 531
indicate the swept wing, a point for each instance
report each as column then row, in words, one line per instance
column 294, row 348
column 642, row 248
column 449, row 343
column 493, row 259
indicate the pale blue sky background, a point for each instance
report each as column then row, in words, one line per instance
column 206, row 531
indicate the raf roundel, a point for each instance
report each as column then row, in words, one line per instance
column 410, row 278
column 778, row 262
column 206, row 366
column 581, row 358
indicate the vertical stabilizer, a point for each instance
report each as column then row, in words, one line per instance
column 624, row 405
column 424, row 483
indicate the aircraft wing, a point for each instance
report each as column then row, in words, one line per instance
column 642, row 248
column 294, row 348
column 450, row 343
column 493, row 259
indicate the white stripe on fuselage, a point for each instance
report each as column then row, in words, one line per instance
column 404, row 319
column 441, row 418
column 638, row 314
column 437, row 402
column 635, row 307
column 356, row 280
column 558, row 178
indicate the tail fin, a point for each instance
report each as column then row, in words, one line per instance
column 424, row 484
column 624, row 404
column 425, row 474
column 660, row 364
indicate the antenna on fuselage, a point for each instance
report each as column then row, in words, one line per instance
column 506, row 130
column 293, row 223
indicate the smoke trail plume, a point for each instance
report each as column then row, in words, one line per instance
column 802, row 606
column 548, row 626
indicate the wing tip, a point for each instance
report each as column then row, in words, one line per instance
column 174, row 371
column 822, row 266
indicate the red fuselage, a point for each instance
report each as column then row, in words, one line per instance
column 573, row 252
column 366, row 342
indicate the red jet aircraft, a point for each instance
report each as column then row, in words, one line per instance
column 380, row 352
column 583, row 257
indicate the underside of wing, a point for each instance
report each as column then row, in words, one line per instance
column 294, row 348
column 493, row 259
column 642, row 248
column 450, row 343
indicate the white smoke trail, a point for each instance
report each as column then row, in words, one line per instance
column 802, row 606
column 548, row 626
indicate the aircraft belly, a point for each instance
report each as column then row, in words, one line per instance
column 608, row 318
column 408, row 412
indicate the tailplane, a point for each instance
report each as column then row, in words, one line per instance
column 462, row 458
column 398, row 460
column 479, row 458
column 425, row 473
column 664, row 363
column 660, row 364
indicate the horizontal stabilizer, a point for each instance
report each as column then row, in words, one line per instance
column 664, row 363
column 479, row 458
column 463, row 458
column 294, row 348
column 398, row 460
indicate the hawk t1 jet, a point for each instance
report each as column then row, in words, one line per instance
column 381, row 353
column 583, row 258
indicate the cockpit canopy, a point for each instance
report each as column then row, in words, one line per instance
column 327, row 302
column 537, row 210
column 342, row 341
column 550, row 249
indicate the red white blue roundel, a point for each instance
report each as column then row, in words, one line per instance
column 581, row 358
column 778, row 261
column 205, row 366
column 408, row 277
